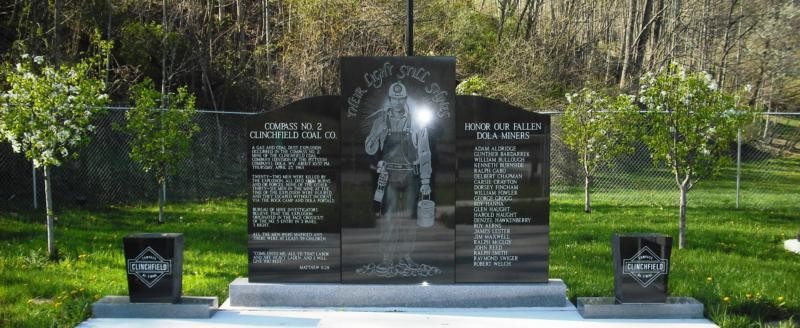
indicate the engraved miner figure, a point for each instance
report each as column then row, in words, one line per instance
column 399, row 139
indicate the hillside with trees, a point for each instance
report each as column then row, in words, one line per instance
column 240, row 55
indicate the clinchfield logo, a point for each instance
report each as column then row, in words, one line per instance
column 645, row 266
column 149, row 267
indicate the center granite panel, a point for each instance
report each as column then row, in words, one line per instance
column 398, row 169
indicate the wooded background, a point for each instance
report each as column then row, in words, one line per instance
column 253, row 55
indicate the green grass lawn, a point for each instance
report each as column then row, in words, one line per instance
column 734, row 263
column 38, row 293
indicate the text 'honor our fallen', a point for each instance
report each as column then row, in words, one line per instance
column 504, row 131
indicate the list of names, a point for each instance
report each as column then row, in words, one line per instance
column 496, row 182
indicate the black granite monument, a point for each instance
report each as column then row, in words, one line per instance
column 641, row 267
column 398, row 181
column 154, row 264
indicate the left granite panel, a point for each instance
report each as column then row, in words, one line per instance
column 293, row 194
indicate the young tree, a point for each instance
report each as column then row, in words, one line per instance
column 47, row 113
column 690, row 125
column 598, row 128
column 161, row 133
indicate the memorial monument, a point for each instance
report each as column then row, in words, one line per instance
column 394, row 185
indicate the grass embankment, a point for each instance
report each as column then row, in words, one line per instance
column 734, row 262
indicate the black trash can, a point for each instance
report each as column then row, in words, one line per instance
column 641, row 267
column 154, row 265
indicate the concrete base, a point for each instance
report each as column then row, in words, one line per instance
column 189, row 307
column 246, row 294
column 606, row 308
column 550, row 317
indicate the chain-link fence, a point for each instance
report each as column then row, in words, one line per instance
column 766, row 163
column 105, row 174
column 769, row 174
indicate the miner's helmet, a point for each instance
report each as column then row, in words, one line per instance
column 397, row 90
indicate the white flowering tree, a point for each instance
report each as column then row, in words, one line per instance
column 474, row 85
column 598, row 128
column 690, row 125
column 161, row 129
column 46, row 113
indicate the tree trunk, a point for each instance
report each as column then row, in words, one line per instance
column 641, row 41
column 521, row 17
column 723, row 62
column 51, row 236
column 738, row 47
column 704, row 36
column 628, row 42
column 266, row 22
column 675, row 25
column 608, row 40
column 267, row 39
column 503, row 6
column 682, row 224
column 590, row 38
column 655, row 35
column 56, row 41
column 238, row 19
column 163, row 53
column 587, row 204
column 110, row 8
column 759, row 83
column 533, row 18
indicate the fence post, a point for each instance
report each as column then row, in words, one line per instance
column 33, row 183
column 738, row 163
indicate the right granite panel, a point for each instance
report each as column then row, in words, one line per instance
column 502, row 192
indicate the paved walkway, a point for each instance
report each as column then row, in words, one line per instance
column 400, row 317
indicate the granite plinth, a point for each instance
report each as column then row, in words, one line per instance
column 607, row 308
column 247, row 294
column 189, row 307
